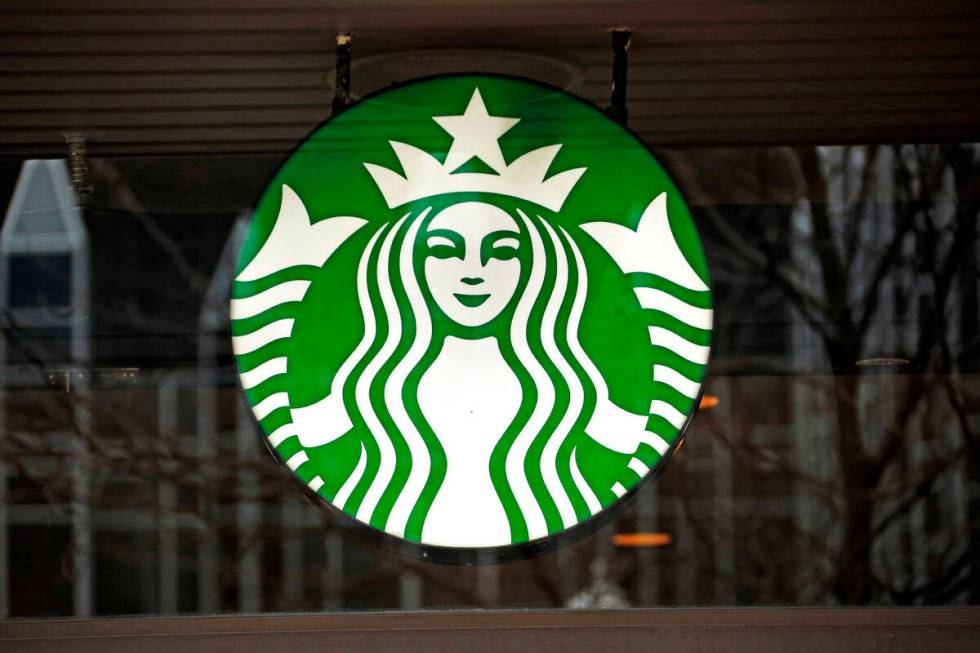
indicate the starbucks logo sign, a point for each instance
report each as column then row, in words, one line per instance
column 471, row 312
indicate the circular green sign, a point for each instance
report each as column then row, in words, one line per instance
column 471, row 312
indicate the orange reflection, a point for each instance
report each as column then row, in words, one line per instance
column 708, row 401
column 642, row 539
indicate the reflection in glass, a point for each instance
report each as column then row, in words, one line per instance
column 838, row 461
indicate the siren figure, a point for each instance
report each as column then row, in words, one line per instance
column 469, row 392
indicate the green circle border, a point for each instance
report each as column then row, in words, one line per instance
column 509, row 552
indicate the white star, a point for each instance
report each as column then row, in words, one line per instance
column 475, row 134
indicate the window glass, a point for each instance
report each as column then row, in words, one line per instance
column 39, row 280
column 835, row 458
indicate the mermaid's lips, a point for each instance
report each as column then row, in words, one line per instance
column 471, row 301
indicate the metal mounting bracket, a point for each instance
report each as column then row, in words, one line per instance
column 617, row 97
column 341, row 96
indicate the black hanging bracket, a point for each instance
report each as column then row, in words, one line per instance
column 341, row 95
column 617, row 98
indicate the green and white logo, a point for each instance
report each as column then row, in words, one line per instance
column 471, row 311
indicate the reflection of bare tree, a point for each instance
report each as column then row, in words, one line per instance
column 880, row 262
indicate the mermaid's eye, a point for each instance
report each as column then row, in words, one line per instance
column 504, row 248
column 442, row 246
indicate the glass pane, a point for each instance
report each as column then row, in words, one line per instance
column 834, row 460
column 39, row 280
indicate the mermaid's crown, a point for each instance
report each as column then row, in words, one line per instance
column 475, row 135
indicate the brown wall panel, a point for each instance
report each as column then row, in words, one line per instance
column 231, row 75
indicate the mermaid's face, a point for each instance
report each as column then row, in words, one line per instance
column 471, row 265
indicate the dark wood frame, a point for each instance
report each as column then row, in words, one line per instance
column 756, row 630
